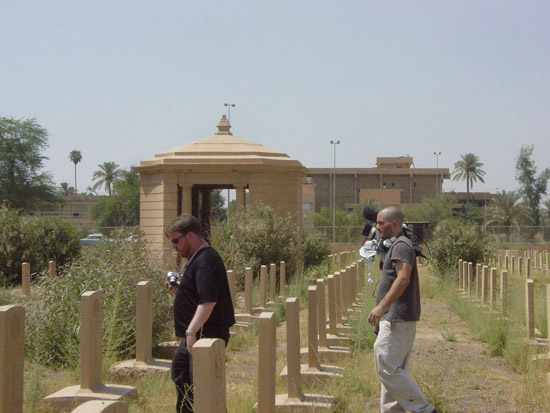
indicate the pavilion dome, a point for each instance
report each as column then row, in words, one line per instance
column 221, row 148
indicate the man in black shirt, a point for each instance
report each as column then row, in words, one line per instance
column 202, row 305
column 396, row 313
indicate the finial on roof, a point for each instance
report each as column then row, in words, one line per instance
column 223, row 127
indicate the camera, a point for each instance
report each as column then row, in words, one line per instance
column 172, row 277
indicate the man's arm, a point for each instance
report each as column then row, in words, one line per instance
column 400, row 284
column 199, row 318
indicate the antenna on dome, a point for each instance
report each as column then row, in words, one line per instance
column 229, row 106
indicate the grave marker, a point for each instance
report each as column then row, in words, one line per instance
column 263, row 276
column 282, row 278
column 267, row 358
column 209, row 395
column 51, row 269
column 470, row 277
column 492, row 288
column 478, row 281
column 272, row 282
column 232, row 285
column 530, row 307
column 503, row 292
column 12, row 346
column 26, row 278
column 459, row 274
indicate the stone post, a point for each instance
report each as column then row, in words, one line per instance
column 354, row 271
column 282, row 278
column 51, row 269
column 331, row 305
column 528, row 267
column 248, row 290
column 464, row 276
column 338, row 297
column 520, row 266
column 312, row 338
column 459, row 274
column 209, row 376
column 492, row 288
column 263, row 276
column 12, row 346
column 503, row 292
column 361, row 275
column 293, row 347
column 547, row 261
column 484, row 284
column 322, row 315
column 530, row 307
column 144, row 322
column 267, row 358
column 513, row 264
column 240, row 198
column 26, row 278
column 478, row 281
column 548, row 310
column 329, row 264
column 232, row 286
column 506, row 262
column 90, row 340
column 272, row 282
column 470, row 277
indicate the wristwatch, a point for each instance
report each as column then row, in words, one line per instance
column 189, row 333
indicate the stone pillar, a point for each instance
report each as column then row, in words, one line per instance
column 329, row 264
column 232, row 285
column 478, row 281
column 263, row 276
column 492, row 288
column 530, row 307
column 12, row 346
column 465, row 276
column 322, row 314
column 331, row 305
column 470, row 277
column 354, row 270
column 209, row 376
column 312, row 338
column 540, row 261
column 26, row 278
column 528, row 267
column 547, row 261
column 548, row 310
column 51, row 269
column 338, row 297
column 361, row 276
column 267, row 358
column 503, row 292
column 241, row 198
column 248, row 290
column 506, row 262
column 460, row 274
column 282, row 278
column 186, row 199
column 513, row 264
column 293, row 347
column 272, row 282
column 520, row 266
column 144, row 322
column 484, row 284
column 90, row 341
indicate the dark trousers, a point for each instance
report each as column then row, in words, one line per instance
column 182, row 373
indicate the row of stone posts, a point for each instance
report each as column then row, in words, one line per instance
column 26, row 275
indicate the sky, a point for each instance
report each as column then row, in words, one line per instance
column 123, row 80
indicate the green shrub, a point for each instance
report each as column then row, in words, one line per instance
column 36, row 240
column 114, row 267
column 258, row 236
column 315, row 248
column 455, row 239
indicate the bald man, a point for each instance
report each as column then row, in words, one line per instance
column 396, row 313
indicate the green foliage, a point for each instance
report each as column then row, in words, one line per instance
column 75, row 156
column 34, row 239
column 122, row 208
column 22, row 184
column 455, row 239
column 532, row 187
column 114, row 267
column 431, row 209
column 258, row 236
column 106, row 176
column 217, row 202
column 315, row 248
column 468, row 169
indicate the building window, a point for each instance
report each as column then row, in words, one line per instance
column 326, row 186
column 398, row 185
column 376, row 185
column 399, row 166
column 383, row 185
column 393, row 184
column 307, row 180
column 359, row 185
column 414, row 185
column 307, row 206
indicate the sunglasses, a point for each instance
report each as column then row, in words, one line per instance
column 176, row 240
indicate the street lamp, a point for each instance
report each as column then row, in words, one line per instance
column 437, row 172
column 229, row 106
column 334, row 143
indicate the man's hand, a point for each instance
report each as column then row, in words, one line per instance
column 190, row 341
column 376, row 314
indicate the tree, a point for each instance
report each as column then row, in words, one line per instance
column 108, row 173
column 75, row 157
column 532, row 187
column 66, row 189
column 468, row 169
column 217, row 202
column 507, row 210
column 122, row 208
column 23, row 185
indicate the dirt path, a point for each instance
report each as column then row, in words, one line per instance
column 468, row 378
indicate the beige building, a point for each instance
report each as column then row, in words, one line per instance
column 180, row 180
column 393, row 181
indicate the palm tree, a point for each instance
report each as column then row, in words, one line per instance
column 468, row 169
column 507, row 210
column 107, row 174
column 66, row 189
column 75, row 156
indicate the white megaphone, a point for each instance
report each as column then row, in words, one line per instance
column 368, row 252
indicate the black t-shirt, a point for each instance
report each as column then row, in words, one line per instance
column 204, row 281
column 407, row 306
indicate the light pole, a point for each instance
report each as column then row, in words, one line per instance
column 229, row 106
column 334, row 143
column 437, row 172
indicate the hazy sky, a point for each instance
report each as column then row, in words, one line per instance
column 123, row 80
